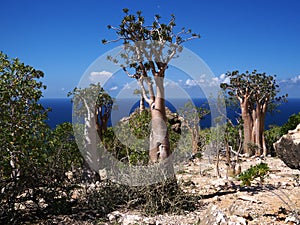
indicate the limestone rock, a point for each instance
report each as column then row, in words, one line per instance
column 214, row 216
column 288, row 148
column 292, row 219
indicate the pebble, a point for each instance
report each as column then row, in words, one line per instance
column 292, row 219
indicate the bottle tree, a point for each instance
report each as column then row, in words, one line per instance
column 147, row 51
column 256, row 92
column 96, row 115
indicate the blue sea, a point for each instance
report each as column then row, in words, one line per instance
column 62, row 111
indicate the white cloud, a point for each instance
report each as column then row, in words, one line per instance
column 113, row 88
column 290, row 86
column 127, row 86
column 216, row 81
column 290, row 81
column 193, row 83
column 211, row 81
column 171, row 84
column 295, row 79
column 98, row 76
column 223, row 76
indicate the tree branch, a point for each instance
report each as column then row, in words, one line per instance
column 131, row 75
column 144, row 93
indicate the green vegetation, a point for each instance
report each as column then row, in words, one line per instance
column 291, row 124
column 271, row 136
column 258, row 171
column 34, row 158
column 93, row 103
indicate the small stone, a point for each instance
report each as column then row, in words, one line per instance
column 274, row 176
column 216, row 198
column 292, row 219
column 237, row 220
column 111, row 217
column 285, row 184
column 214, row 216
column 69, row 175
column 103, row 174
column 130, row 219
column 92, row 186
column 75, row 194
column 114, row 216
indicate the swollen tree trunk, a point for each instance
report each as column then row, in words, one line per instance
column 258, row 136
column 262, row 129
column 91, row 155
column 101, row 120
column 159, row 139
column 258, row 129
column 254, row 124
column 247, row 119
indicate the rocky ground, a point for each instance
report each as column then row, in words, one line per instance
column 223, row 200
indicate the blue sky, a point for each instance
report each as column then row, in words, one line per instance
column 62, row 38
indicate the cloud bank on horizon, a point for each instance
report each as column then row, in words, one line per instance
column 189, row 85
column 290, row 86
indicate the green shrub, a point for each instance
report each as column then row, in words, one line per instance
column 23, row 131
column 271, row 136
column 34, row 158
column 291, row 124
column 258, row 171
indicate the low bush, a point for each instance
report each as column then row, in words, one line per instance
column 258, row 171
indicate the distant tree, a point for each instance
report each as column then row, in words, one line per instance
column 191, row 116
column 142, row 99
column 148, row 50
column 255, row 92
